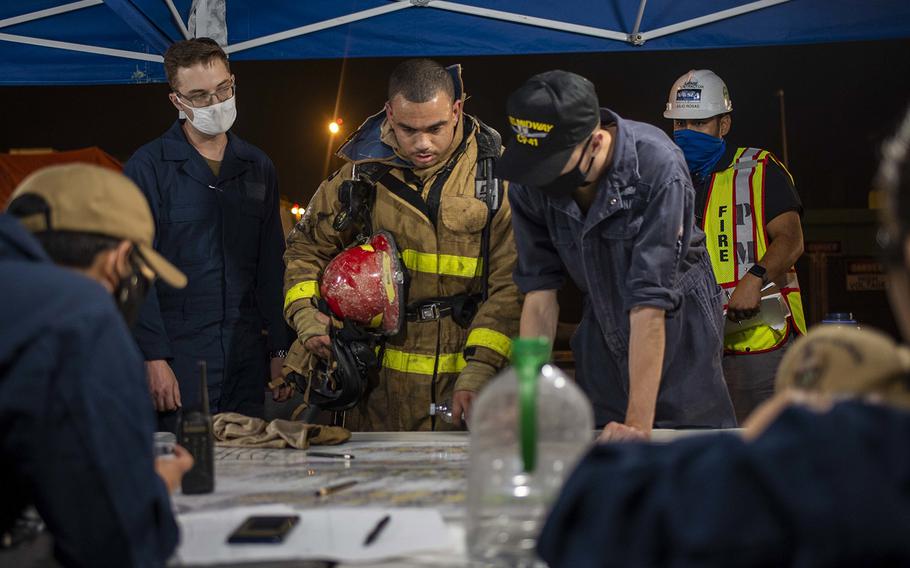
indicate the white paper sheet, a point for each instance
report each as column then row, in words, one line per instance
column 326, row 534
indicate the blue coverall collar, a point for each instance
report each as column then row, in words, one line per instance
column 237, row 155
column 622, row 173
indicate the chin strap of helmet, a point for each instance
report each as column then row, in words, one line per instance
column 338, row 384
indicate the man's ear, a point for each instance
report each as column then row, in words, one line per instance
column 174, row 101
column 119, row 260
column 597, row 140
column 388, row 111
column 456, row 107
column 726, row 121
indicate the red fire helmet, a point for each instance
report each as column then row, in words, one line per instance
column 365, row 283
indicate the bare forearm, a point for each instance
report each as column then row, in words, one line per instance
column 785, row 246
column 646, row 357
column 782, row 253
column 539, row 315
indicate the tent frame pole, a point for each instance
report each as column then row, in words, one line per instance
column 177, row 18
column 64, row 44
column 49, row 12
column 709, row 19
column 635, row 38
column 82, row 48
column 523, row 19
column 318, row 26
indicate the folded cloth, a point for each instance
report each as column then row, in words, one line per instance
column 237, row 430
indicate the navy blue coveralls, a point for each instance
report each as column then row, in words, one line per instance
column 829, row 489
column 225, row 234
column 637, row 246
column 76, row 419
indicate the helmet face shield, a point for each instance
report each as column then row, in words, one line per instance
column 365, row 284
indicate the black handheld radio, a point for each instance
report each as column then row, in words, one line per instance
column 195, row 433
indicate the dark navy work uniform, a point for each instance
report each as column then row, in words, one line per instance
column 813, row 490
column 225, row 234
column 76, row 418
column 637, row 246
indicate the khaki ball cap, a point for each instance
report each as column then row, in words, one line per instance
column 845, row 361
column 91, row 199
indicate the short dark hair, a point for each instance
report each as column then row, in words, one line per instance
column 418, row 80
column 67, row 248
column 191, row 52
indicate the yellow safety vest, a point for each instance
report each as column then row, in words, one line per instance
column 734, row 222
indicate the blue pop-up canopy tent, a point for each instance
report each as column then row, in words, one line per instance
column 122, row 41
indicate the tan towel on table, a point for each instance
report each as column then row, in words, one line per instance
column 233, row 429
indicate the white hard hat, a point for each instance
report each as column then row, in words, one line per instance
column 700, row 93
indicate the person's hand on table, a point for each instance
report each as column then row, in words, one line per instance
column 172, row 468
column 617, row 432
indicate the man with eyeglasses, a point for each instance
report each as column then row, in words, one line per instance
column 215, row 202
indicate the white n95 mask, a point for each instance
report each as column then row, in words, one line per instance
column 214, row 119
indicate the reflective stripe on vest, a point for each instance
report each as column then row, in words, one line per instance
column 419, row 364
column 734, row 222
column 300, row 291
column 491, row 339
column 443, row 264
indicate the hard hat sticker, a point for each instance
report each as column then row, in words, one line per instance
column 688, row 95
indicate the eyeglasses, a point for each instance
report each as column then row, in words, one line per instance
column 201, row 100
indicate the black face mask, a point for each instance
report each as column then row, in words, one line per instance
column 130, row 293
column 567, row 183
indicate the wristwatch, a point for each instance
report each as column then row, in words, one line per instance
column 760, row 271
column 278, row 353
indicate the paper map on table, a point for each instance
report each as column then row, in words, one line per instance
column 388, row 474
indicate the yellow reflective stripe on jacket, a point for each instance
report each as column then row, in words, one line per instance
column 300, row 291
column 419, row 364
column 491, row 339
column 445, row 264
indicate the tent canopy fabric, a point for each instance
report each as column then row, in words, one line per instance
column 46, row 42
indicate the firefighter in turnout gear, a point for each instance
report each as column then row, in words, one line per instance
column 421, row 170
column 747, row 205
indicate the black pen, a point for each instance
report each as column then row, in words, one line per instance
column 329, row 489
column 330, row 455
column 374, row 534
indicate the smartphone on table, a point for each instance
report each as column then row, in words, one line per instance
column 263, row 529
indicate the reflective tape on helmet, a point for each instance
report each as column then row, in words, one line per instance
column 301, row 291
column 444, row 264
column 419, row 364
column 491, row 339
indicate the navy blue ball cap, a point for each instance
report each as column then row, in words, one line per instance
column 550, row 115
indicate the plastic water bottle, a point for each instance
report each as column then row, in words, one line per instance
column 529, row 427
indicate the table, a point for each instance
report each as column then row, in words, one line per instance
column 393, row 469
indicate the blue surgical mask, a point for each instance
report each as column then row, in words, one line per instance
column 702, row 151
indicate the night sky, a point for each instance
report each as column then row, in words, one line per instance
column 841, row 101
